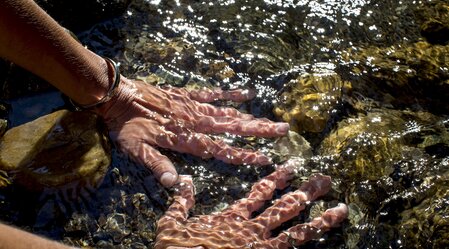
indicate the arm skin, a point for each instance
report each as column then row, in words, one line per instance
column 39, row 44
column 13, row 238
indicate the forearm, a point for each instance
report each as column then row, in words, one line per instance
column 13, row 238
column 32, row 39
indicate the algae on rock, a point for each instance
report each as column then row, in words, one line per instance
column 56, row 149
column 311, row 101
column 427, row 222
column 434, row 19
column 402, row 76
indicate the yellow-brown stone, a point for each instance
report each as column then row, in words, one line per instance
column 56, row 149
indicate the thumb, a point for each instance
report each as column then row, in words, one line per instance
column 162, row 168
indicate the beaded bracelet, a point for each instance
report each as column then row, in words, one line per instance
column 110, row 92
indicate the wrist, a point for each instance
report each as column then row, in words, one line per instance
column 113, row 80
column 95, row 83
column 119, row 103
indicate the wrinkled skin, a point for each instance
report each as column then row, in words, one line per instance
column 142, row 117
column 234, row 227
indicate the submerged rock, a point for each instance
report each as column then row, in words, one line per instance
column 160, row 53
column 434, row 19
column 312, row 100
column 365, row 149
column 402, row 76
column 427, row 223
column 56, row 149
column 292, row 145
column 370, row 146
column 391, row 163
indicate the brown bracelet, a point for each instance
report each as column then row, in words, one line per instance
column 109, row 94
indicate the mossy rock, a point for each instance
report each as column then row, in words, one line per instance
column 369, row 146
column 426, row 225
column 403, row 76
column 311, row 100
column 56, row 149
column 434, row 19
column 365, row 146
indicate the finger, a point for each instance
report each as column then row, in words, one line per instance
column 256, row 127
column 302, row 233
column 206, row 95
column 184, row 199
column 177, row 214
column 134, row 145
column 196, row 104
column 162, row 167
column 260, row 192
column 203, row 146
column 183, row 247
column 192, row 113
column 210, row 110
column 289, row 205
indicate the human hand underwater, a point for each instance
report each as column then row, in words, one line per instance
column 234, row 227
column 142, row 117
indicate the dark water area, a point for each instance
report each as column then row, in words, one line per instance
column 366, row 83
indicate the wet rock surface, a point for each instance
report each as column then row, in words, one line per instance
column 56, row 149
column 434, row 19
column 402, row 76
column 292, row 146
column 386, row 162
column 426, row 222
column 312, row 100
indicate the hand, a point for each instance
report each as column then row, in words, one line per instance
column 142, row 117
column 234, row 228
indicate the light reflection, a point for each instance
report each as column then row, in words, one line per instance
column 196, row 32
column 155, row 2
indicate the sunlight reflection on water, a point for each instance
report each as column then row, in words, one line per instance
column 385, row 156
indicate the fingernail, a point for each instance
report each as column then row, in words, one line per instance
column 282, row 128
column 168, row 179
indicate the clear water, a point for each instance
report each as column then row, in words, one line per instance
column 400, row 203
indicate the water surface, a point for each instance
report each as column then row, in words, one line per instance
column 389, row 159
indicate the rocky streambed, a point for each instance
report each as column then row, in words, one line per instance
column 364, row 85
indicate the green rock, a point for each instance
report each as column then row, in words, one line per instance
column 363, row 146
column 56, row 149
